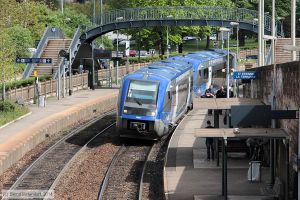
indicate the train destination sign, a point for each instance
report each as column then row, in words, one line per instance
column 244, row 75
column 34, row 60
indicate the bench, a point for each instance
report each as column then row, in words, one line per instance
column 237, row 146
column 233, row 146
column 276, row 191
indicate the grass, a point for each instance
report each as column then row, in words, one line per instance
column 16, row 111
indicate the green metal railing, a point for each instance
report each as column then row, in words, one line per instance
column 184, row 13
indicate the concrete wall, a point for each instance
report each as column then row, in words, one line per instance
column 29, row 138
column 287, row 92
column 287, row 97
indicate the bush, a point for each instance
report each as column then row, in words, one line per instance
column 24, row 82
column 7, row 106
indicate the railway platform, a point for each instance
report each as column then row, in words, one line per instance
column 19, row 137
column 188, row 175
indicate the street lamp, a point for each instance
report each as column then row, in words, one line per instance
column 237, row 37
column 293, row 27
column 237, row 50
column 117, row 64
column 169, row 16
column 261, row 31
column 223, row 29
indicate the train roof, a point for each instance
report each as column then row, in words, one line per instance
column 165, row 69
column 197, row 58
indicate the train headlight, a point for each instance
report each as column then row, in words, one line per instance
column 153, row 113
column 125, row 111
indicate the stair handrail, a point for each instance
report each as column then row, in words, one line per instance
column 72, row 48
column 50, row 32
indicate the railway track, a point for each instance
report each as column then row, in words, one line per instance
column 42, row 173
column 124, row 176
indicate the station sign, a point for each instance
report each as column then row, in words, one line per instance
column 115, row 55
column 244, row 75
column 34, row 60
column 102, row 54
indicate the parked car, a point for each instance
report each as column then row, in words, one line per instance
column 132, row 53
column 186, row 38
column 143, row 53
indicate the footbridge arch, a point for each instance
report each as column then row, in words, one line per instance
column 177, row 16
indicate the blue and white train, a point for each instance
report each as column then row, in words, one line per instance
column 152, row 99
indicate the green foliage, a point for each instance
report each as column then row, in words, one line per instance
column 107, row 43
column 7, row 106
column 10, row 111
column 24, row 82
column 21, row 38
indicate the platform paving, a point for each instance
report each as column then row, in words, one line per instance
column 189, row 176
column 19, row 137
column 53, row 106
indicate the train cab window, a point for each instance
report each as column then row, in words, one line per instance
column 142, row 92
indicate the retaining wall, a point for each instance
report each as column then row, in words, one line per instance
column 15, row 148
column 287, row 97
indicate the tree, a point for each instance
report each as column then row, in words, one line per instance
column 176, row 34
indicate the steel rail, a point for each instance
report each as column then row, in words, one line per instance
column 143, row 172
column 49, row 150
column 108, row 172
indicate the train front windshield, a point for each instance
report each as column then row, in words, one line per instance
column 141, row 98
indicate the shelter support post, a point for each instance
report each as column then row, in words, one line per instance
column 216, row 118
column 272, row 165
column 224, row 168
column 223, row 174
column 287, row 187
column 216, row 125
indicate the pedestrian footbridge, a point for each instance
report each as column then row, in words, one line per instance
column 177, row 16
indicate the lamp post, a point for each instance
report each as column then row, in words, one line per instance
column 167, row 41
column 62, row 6
column 293, row 27
column 261, row 31
column 237, row 37
column 223, row 29
column 101, row 19
column 168, row 47
column 117, row 64
column 237, row 51
column 117, row 69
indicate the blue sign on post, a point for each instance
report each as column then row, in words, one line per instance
column 244, row 75
column 34, row 60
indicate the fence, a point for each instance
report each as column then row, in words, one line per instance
column 105, row 74
column 47, row 88
column 79, row 81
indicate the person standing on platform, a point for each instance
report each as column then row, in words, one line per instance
column 209, row 94
column 210, row 144
column 221, row 93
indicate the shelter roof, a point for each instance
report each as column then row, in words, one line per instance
column 241, row 133
column 224, row 103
